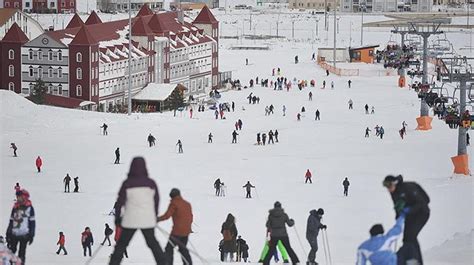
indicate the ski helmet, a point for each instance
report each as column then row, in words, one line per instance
column 376, row 230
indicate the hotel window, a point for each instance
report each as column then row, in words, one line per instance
column 79, row 90
column 60, row 55
column 40, row 72
column 60, row 87
column 11, row 54
column 50, row 89
column 72, row 4
column 11, row 71
column 40, row 55
column 79, row 73
column 30, row 54
column 50, row 72
column 11, row 86
column 63, row 4
column 60, row 72
column 79, row 57
column 31, row 71
column 50, row 55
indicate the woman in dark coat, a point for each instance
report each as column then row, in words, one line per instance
column 229, row 232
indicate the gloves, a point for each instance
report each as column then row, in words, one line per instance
column 405, row 211
column 324, row 227
column 291, row 222
column 30, row 240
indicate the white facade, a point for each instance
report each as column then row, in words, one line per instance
column 386, row 5
column 122, row 5
column 29, row 26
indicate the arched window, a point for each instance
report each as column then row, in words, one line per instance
column 79, row 90
column 50, row 88
column 79, row 73
column 60, row 55
column 30, row 54
column 60, row 87
column 79, row 57
column 31, row 71
column 50, row 55
column 50, row 72
column 11, row 86
column 11, row 71
column 11, row 54
column 60, row 72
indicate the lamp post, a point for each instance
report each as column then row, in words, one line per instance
column 129, row 109
column 362, row 10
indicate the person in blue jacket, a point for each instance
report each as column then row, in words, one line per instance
column 378, row 249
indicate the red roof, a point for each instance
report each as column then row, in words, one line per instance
column 83, row 37
column 93, row 19
column 205, row 17
column 156, row 24
column 75, row 22
column 139, row 28
column 144, row 11
column 15, row 35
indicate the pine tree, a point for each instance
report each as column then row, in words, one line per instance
column 176, row 100
column 39, row 92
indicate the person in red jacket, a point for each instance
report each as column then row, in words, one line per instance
column 308, row 176
column 87, row 241
column 39, row 163
column 61, row 243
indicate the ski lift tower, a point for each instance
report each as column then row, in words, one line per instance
column 424, row 28
column 459, row 70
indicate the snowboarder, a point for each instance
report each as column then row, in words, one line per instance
column 277, row 218
column 180, row 212
column 107, row 233
column 381, row 132
column 367, row 130
column 349, row 82
column 373, row 110
column 13, row 146
column 317, row 118
column 39, row 163
column 248, row 188
column 264, row 138
column 350, row 103
column 87, row 241
column 229, row 233
column 313, row 226
column 284, row 110
column 378, row 248
column 139, row 197
column 308, row 177
column 242, row 250
column 217, row 186
column 104, row 127
column 209, row 138
column 61, row 242
column 258, row 139
column 270, row 137
column 21, row 228
column 67, row 180
column 298, row 117
column 346, row 184
column 76, row 184
column 117, row 156
column 234, row 137
column 276, row 136
column 151, row 140
column 412, row 196
column 180, row 146
column 366, row 107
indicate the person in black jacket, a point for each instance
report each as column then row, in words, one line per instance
column 234, row 137
column 117, row 156
column 242, row 250
column 217, row 186
column 312, row 231
column 276, row 225
column 107, row 232
column 346, row 184
column 229, row 233
column 248, row 188
column 410, row 198
column 67, row 180
column 151, row 140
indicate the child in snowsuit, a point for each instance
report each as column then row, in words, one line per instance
column 61, row 243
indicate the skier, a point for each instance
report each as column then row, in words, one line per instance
column 298, row 117
column 367, row 130
column 258, row 139
column 246, row 61
column 332, row 84
column 67, row 180
column 61, row 242
column 191, row 113
column 229, row 233
column 373, row 110
column 234, row 137
column 217, row 186
column 308, row 177
column 381, row 132
column 87, row 241
column 151, row 140
column 107, row 233
column 76, row 184
column 350, row 103
column 180, row 146
column 242, row 250
column 402, row 132
column 378, row 248
column 248, row 187
column 349, row 82
column 277, row 218
column 139, row 197
column 180, row 212
column 377, row 130
column 276, row 136
column 39, row 163
column 270, row 137
column 324, row 83
column 303, row 110
column 264, row 138
column 284, row 110
column 404, row 125
column 346, row 184
column 13, row 146
column 296, row 59
column 104, row 131
column 233, row 106
column 313, row 57
column 239, row 124
column 366, row 109
column 21, row 228
column 209, row 138
column 117, row 156
column 310, row 95
column 313, row 226
column 223, row 189
column 411, row 195
column 317, row 118
column 6, row 256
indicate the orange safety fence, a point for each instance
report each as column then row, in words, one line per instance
column 335, row 70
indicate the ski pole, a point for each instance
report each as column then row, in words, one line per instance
column 186, row 262
column 299, row 240
column 182, row 245
column 329, row 249
column 94, row 255
column 325, row 251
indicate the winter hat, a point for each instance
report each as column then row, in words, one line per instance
column 174, row 192
column 138, row 168
column 320, row 211
column 24, row 194
column 277, row 204
column 376, row 230
column 390, row 179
